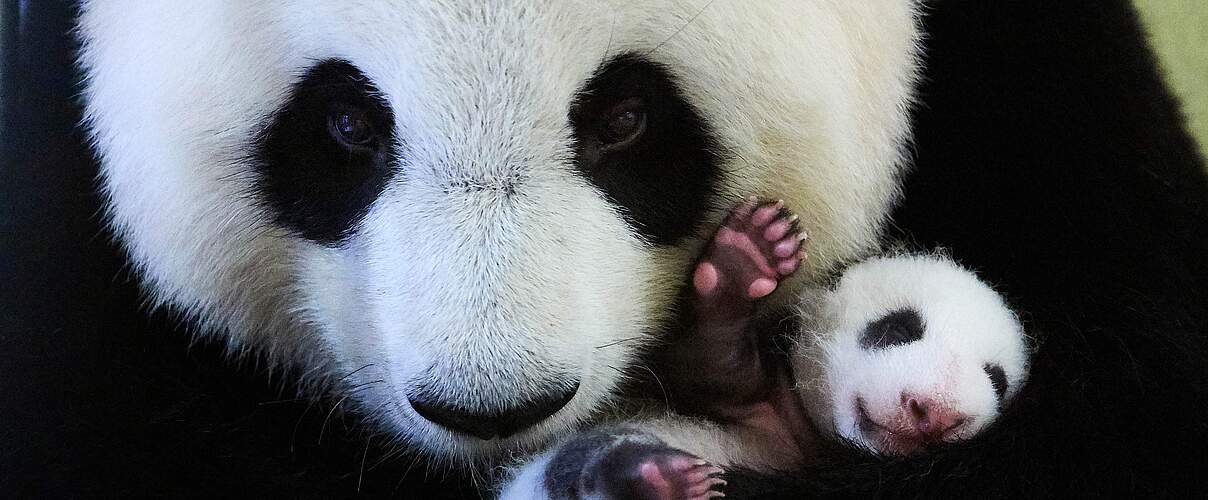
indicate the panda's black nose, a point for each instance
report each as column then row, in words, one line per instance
column 488, row 424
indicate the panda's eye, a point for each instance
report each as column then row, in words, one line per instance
column 998, row 379
column 327, row 153
column 623, row 124
column 351, row 128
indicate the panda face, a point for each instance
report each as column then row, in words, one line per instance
column 913, row 351
column 473, row 217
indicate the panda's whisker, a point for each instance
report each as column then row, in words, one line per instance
column 293, row 438
column 395, row 451
column 323, row 428
column 365, row 385
column 281, row 401
column 622, row 67
column 680, row 30
column 612, row 26
column 354, row 372
column 666, row 396
column 361, row 474
column 415, row 459
column 621, row 341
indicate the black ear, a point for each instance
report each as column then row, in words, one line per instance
column 998, row 378
column 896, row 328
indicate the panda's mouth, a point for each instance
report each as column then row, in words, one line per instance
column 865, row 422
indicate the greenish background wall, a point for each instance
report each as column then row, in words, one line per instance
column 1178, row 30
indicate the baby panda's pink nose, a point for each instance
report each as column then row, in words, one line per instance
column 932, row 421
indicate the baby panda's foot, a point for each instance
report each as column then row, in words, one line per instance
column 758, row 245
column 626, row 463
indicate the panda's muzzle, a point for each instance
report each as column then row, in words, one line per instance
column 495, row 423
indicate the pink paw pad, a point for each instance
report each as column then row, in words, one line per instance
column 682, row 477
column 759, row 244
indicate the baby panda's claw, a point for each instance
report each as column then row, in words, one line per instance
column 698, row 478
column 766, row 213
column 705, row 489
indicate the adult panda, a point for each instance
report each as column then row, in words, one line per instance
column 474, row 225
column 1119, row 319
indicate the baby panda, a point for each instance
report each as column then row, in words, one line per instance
column 906, row 352
column 903, row 353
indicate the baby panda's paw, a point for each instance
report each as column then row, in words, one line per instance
column 910, row 352
column 619, row 463
column 716, row 368
column 758, row 245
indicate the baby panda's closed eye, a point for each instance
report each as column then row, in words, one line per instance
column 907, row 352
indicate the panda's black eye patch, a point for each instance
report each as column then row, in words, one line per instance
column 998, row 378
column 327, row 153
column 896, row 328
column 640, row 142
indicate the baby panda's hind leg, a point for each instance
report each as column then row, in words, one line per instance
column 619, row 462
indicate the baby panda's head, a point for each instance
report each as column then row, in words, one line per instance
column 909, row 352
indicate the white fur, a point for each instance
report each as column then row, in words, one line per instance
column 966, row 323
column 497, row 298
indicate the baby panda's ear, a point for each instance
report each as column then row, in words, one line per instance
column 998, row 378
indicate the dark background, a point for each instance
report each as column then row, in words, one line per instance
column 1049, row 156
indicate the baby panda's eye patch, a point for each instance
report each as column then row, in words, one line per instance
column 998, row 378
column 899, row 327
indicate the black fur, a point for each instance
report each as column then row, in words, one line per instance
column 899, row 327
column 661, row 180
column 998, row 379
column 1049, row 157
column 315, row 184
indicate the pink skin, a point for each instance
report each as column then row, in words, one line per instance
column 682, row 477
column 920, row 422
column 719, row 368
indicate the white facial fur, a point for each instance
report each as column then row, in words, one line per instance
column 493, row 299
column 966, row 326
